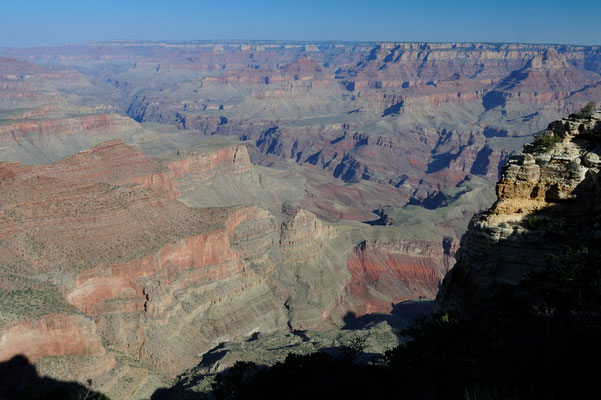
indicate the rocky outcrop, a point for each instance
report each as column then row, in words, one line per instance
column 546, row 78
column 98, row 252
column 441, row 101
column 49, row 114
column 164, row 258
column 300, row 227
column 384, row 274
column 211, row 161
column 24, row 85
column 548, row 198
column 303, row 69
column 152, row 308
column 425, row 91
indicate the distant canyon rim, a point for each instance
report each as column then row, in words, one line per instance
column 160, row 198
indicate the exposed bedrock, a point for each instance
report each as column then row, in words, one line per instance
column 464, row 108
column 189, row 295
column 548, row 198
column 229, row 159
column 52, row 335
column 147, row 263
column 386, row 273
column 106, row 271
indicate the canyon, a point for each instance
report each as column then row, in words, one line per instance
column 159, row 200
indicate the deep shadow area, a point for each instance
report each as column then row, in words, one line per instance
column 412, row 309
column 493, row 99
column 19, row 380
column 403, row 315
column 536, row 340
column 432, row 201
column 182, row 391
column 441, row 161
column 490, row 132
column 393, row 110
column 481, row 162
column 383, row 219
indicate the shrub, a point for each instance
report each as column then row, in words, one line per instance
column 545, row 141
column 587, row 111
column 532, row 223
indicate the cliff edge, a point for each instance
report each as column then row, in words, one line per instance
column 548, row 202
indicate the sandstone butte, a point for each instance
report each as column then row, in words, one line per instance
column 106, row 275
column 548, row 199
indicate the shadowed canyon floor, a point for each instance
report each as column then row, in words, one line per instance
column 159, row 200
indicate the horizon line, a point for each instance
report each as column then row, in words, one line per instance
column 355, row 42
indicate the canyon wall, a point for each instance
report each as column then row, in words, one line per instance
column 157, row 200
column 107, row 275
column 548, row 202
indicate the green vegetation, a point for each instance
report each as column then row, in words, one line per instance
column 28, row 298
column 534, row 222
column 537, row 340
column 546, row 141
column 586, row 112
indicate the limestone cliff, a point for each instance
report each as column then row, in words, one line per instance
column 548, row 199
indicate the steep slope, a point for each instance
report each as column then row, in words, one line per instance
column 46, row 115
column 548, row 201
column 92, row 237
column 465, row 107
column 365, row 179
column 105, row 274
column 545, row 79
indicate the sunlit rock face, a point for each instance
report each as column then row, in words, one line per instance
column 99, row 257
column 548, row 199
column 107, row 274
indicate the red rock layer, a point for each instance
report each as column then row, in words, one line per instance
column 546, row 78
column 303, row 69
column 103, row 204
column 90, row 125
column 104, row 227
column 233, row 159
column 26, row 85
column 383, row 274
column 204, row 258
column 52, row 335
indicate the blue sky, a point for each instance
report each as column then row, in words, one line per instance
column 25, row 22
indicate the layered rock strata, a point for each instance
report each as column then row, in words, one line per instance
column 105, row 274
column 548, row 199
column 121, row 267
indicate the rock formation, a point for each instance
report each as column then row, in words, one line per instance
column 159, row 199
column 548, row 199
column 105, row 274
column 465, row 107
